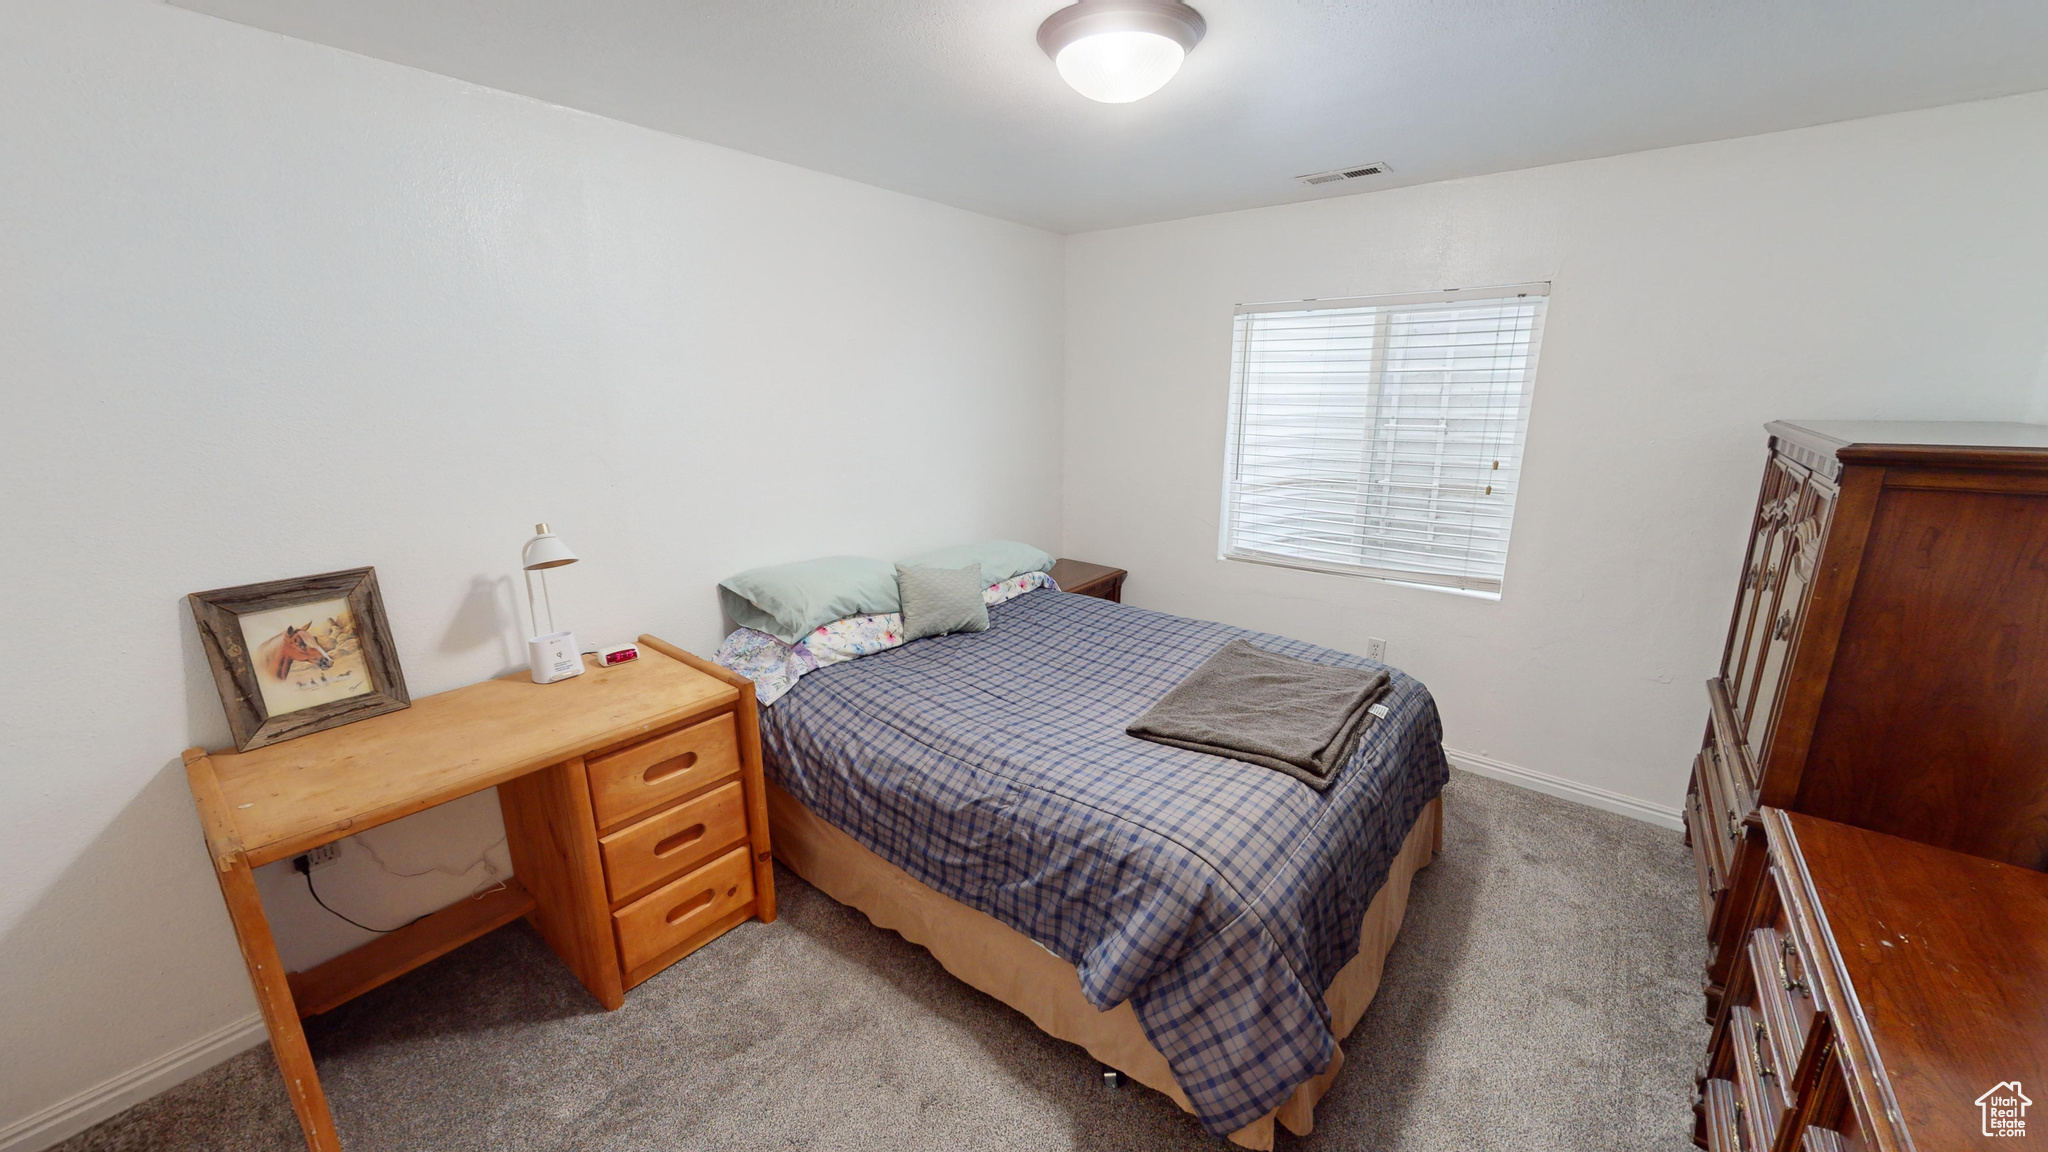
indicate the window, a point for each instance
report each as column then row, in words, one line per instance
column 1382, row 436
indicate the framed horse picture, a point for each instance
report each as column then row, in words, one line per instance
column 297, row 656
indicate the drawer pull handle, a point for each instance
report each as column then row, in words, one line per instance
column 1756, row 1048
column 680, row 840
column 1787, row 952
column 1734, row 827
column 668, row 768
column 695, row 903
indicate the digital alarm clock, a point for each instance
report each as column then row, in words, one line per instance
column 610, row 657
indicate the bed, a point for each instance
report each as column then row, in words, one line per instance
column 1211, row 928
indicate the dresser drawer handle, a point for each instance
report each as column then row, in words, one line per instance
column 1756, row 1049
column 1786, row 951
column 668, row 768
column 1734, row 826
column 680, row 840
column 695, row 903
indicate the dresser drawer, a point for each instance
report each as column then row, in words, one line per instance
column 674, row 840
column 1780, row 998
column 1821, row 1140
column 1709, row 851
column 1721, row 1117
column 1757, row 1083
column 644, row 776
column 1734, row 790
column 680, row 909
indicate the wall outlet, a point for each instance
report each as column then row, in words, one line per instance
column 320, row 857
column 1376, row 650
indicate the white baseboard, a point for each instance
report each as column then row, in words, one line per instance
column 1659, row 814
column 67, row 1118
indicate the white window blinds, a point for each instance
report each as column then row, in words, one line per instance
column 1382, row 436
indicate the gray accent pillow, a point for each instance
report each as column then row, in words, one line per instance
column 941, row 600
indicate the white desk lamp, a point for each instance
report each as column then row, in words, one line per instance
column 553, row 655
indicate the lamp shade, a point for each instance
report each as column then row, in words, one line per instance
column 1117, row 51
column 545, row 550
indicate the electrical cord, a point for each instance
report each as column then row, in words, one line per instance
column 305, row 868
column 363, row 842
column 307, row 872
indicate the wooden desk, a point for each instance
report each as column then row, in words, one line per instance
column 624, row 792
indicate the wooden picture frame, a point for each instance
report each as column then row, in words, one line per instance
column 291, row 678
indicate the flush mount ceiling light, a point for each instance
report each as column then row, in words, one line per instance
column 1117, row 51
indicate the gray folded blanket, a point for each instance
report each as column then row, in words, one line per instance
column 1295, row 716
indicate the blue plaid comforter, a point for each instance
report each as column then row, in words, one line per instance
column 1220, row 898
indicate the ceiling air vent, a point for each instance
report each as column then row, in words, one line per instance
column 1340, row 174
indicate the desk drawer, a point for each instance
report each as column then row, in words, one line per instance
column 674, row 840
column 680, row 909
column 633, row 780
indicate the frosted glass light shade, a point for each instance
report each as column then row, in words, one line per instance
column 1119, row 67
column 1117, row 51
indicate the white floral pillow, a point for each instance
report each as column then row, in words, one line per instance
column 854, row 637
column 1016, row 586
column 772, row 665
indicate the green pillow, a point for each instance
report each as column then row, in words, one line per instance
column 999, row 559
column 941, row 600
column 788, row 600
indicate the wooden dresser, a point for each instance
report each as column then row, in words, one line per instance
column 634, row 810
column 1887, row 663
column 1888, row 996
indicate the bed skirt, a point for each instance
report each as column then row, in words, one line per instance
column 1008, row 965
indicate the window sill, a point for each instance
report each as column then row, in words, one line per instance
column 1304, row 566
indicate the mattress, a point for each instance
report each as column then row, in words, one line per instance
column 992, row 956
column 1217, row 898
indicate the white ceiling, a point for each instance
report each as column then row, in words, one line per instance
column 952, row 99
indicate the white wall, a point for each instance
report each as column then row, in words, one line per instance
column 1886, row 268
column 270, row 309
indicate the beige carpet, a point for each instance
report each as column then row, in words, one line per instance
column 1542, row 996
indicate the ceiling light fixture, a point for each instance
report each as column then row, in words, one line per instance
column 1117, row 51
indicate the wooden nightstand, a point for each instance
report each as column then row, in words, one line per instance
column 633, row 807
column 1085, row 579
